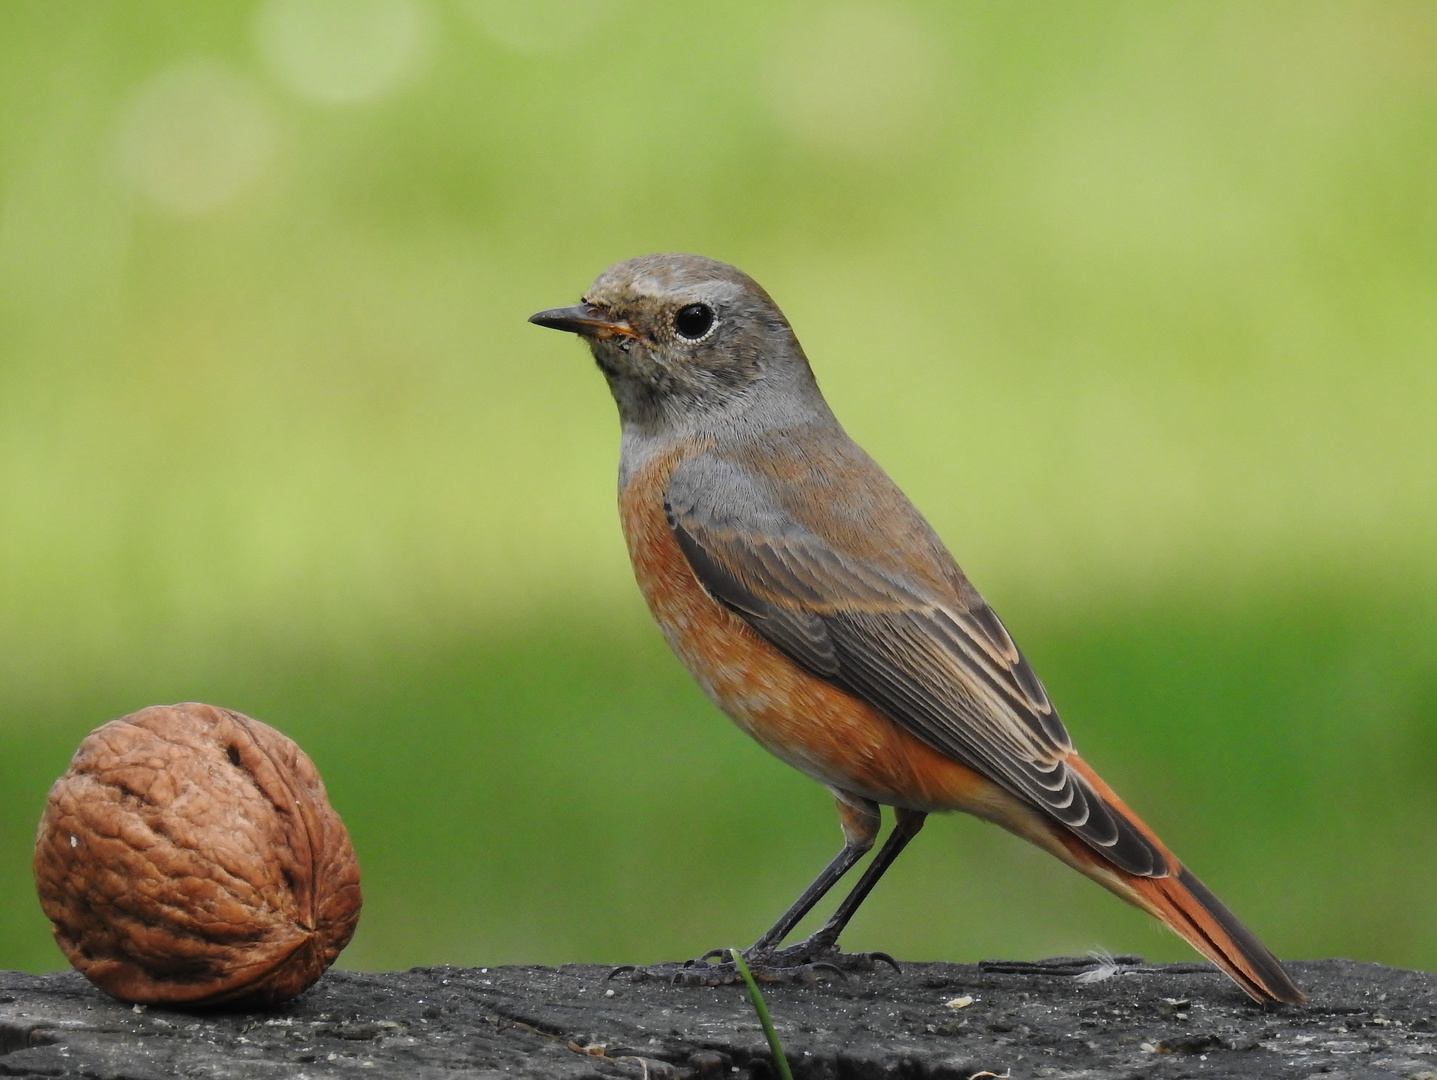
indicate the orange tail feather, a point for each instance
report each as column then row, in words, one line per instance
column 1199, row 917
column 1187, row 906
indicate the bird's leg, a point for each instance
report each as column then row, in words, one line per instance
column 820, row 947
column 860, row 821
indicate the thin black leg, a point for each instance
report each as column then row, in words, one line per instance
column 908, row 823
column 842, row 863
column 861, row 822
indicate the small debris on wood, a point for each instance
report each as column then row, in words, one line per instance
column 1154, row 1021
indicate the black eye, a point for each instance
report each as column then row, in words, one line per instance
column 693, row 321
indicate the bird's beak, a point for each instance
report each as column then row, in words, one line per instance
column 584, row 319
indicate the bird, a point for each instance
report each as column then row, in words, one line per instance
column 818, row 609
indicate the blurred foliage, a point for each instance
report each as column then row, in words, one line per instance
column 1138, row 302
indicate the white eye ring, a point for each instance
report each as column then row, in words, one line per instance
column 694, row 322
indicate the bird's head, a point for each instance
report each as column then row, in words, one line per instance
column 681, row 336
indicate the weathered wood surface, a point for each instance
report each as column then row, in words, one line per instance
column 1364, row 1021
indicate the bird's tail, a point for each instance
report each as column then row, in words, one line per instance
column 1184, row 903
column 1200, row 918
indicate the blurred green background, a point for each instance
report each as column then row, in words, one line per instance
column 1137, row 300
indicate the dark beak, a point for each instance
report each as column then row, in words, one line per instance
column 585, row 319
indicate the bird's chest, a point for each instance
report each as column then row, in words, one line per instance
column 740, row 671
column 811, row 725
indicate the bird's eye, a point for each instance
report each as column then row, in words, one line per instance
column 693, row 321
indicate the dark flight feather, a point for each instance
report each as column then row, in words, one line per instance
column 941, row 666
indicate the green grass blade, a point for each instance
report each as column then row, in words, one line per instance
column 775, row 1046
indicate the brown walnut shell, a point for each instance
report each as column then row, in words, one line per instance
column 190, row 857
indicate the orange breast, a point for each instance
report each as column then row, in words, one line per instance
column 833, row 737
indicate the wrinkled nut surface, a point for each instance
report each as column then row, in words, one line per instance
column 190, row 857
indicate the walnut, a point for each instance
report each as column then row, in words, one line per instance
column 190, row 857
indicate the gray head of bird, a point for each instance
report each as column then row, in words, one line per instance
column 680, row 338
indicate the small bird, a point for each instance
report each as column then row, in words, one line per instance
column 820, row 611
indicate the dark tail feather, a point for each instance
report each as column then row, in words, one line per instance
column 1190, row 908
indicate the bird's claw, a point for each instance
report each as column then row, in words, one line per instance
column 796, row 964
column 884, row 958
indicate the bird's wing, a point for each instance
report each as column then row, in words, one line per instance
column 941, row 665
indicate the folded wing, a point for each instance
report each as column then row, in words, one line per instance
column 937, row 662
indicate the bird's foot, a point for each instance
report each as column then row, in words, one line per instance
column 806, row 962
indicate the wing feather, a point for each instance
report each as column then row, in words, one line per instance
column 942, row 666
